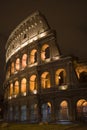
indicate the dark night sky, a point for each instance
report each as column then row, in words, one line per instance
column 67, row 17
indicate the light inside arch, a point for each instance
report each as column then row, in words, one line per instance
column 80, row 69
column 45, row 80
column 82, row 108
column 24, row 60
column 33, row 83
column 16, row 88
column 11, row 89
column 33, row 56
column 45, row 52
column 23, row 86
column 49, row 104
column 80, row 102
column 63, row 111
column 60, row 77
column 64, row 104
column 17, row 64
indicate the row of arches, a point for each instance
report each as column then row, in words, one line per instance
column 29, row 31
column 31, row 59
column 34, row 115
column 33, row 83
column 62, row 113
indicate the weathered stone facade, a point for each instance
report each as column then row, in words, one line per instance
column 41, row 85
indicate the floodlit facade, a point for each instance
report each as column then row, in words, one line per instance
column 41, row 85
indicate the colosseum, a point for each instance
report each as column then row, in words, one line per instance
column 42, row 85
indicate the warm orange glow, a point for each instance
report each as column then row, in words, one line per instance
column 12, row 68
column 33, row 56
column 11, row 90
column 16, row 88
column 82, row 107
column 80, row 102
column 60, row 77
column 45, row 80
column 85, row 103
column 49, row 104
column 64, row 104
column 33, row 83
column 80, row 69
column 24, row 61
column 17, row 64
column 64, row 111
column 23, row 85
column 44, row 54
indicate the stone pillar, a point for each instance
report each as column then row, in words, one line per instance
column 72, row 110
column 52, row 77
column 28, row 57
column 19, row 87
column 21, row 62
column 19, row 109
column 39, row 96
column 27, row 110
column 68, row 73
column 27, row 85
column 39, row 54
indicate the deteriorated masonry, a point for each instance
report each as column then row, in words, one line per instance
column 41, row 85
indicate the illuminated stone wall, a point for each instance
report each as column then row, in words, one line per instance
column 31, row 29
column 41, row 85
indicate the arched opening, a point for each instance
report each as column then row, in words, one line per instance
column 45, row 52
column 83, row 77
column 17, row 64
column 60, row 78
column 33, row 83
column 23, row 87
column 23, row 113
column 12, row 68
column 81, row 71
column 34, row 113
column 16, row 88
column 85, row 110
column 33, row 56
column 45, row 80
column 10, row 113
column 63, row 111
column 16, row 113
column 25, row 35
column 82, row 109
column 46, row 112
column 24, row 60
column 11, row 90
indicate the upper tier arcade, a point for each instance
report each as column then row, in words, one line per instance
column 31, row 29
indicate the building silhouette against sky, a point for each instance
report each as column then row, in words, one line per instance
column 42, row 85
